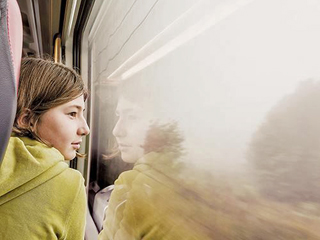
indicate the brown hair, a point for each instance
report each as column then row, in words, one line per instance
column 43, row 85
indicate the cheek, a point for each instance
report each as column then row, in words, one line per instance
column 54, row 133
column 45, row 133
column 140, row 131
column 138, row 138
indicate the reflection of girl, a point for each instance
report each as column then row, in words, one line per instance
column 148, row 202
column 40, row 197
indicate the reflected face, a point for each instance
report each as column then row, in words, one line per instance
column 63, row 127
column 130, row 129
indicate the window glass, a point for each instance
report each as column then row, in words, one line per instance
column 216, row 111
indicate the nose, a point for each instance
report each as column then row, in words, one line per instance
column 119, row 129
column 83, row 130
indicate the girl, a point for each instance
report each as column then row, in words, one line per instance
column 40, row 197
column 154, row 200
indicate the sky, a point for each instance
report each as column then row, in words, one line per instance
column 221, row 84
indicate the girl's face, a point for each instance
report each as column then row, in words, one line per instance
column 130, row 129
column 63, row 127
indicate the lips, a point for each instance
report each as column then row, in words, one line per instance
column 121, row 145
column 76, row 144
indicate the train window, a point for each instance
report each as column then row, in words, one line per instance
column 219, row 102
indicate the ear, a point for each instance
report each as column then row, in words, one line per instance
column 24, row 120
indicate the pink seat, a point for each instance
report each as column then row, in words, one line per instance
column 11, row 34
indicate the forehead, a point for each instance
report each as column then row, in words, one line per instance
column 144, row 111
column 78, row 102
column 125, row 105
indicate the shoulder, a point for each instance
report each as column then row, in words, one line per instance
column 66, row 187
column 71, row 180
column 67, row 190
column 73, row 174
column 127, row 177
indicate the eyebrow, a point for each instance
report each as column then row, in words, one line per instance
column 126, row 110
column 77, row 106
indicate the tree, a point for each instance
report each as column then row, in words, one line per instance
column 285, row 150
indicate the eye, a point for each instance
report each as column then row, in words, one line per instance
column 132, row 117
column 72, row 114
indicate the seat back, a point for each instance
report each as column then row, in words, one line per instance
column 100, row 205
column 10, row 58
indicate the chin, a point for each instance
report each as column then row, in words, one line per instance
column 69, row 157
column 128, row 158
